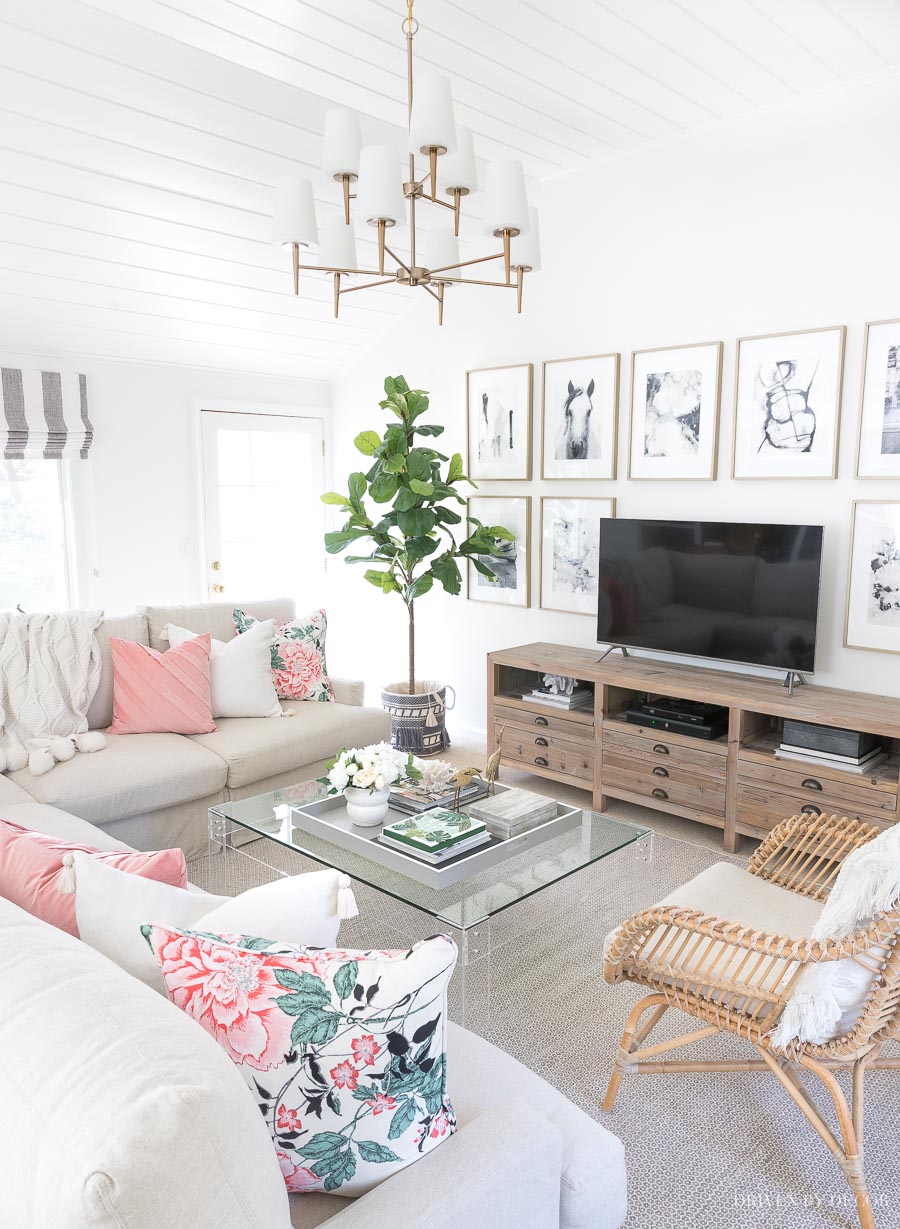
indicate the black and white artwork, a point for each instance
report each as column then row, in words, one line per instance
column 499, row 422
column 511, row 569
column 570, row 552
column 878, row 450
column 788, row 404
column 580, row 409
column 873, row 594
column 675, row 412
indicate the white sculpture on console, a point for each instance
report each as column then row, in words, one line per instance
column 559, row 684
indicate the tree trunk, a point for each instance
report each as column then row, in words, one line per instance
column 412, row 649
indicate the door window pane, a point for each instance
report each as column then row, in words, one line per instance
column 33, row 561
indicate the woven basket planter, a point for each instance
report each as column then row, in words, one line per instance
column 418, row 721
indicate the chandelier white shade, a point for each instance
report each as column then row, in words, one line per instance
column 295, row 212
column 341, row 143
column 431, row 124
column 383, row 194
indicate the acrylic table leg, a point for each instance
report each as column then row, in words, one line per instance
column 471, row 985
column 218, row 845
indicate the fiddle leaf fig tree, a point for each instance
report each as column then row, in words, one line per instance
column 413, row 534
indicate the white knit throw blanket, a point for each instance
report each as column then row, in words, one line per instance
column 49, row 671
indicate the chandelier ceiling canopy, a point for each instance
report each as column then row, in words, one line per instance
column 375, row 193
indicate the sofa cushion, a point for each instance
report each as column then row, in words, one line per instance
column 132, row 775
column 124, row 627
column 10, row 793
column 254, row 750
column 213, row 617
column 115, row 1109
column 593, row 1192
column 52, row 821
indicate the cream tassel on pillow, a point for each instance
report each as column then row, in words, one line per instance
column 65, row 883
column 346, row 900
column 90, row 740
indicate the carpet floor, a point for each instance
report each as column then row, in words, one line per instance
column 727, row 1151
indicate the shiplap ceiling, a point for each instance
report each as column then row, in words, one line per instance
column 139, row 141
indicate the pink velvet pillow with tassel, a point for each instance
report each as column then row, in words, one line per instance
column 161, row 693
column 36, row 872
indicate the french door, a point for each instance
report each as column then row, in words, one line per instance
column 262, row 477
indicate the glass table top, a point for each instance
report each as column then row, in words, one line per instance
column 463, row 904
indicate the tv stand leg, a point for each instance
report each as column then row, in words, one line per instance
column 613, row 648
column 792, row 680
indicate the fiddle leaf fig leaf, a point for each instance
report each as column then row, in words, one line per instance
column 455, row 468
column 421, row 488
column 335, row 498
column 366, row 442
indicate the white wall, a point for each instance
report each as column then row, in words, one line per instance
column 136, row 499
column 785, row 221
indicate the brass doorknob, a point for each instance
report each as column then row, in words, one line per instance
column 215, row 565
column 218, row 588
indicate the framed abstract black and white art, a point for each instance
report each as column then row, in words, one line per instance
column 788, row 404
column 570, row 552
column 498, row 417
column 675, row 396
column 580, row 411
column 878, row 442
column 872, row 617
column 512, row 568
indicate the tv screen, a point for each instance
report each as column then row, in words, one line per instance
column 744, row 593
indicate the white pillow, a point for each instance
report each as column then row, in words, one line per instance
column 827, row 998
column 240, row 671
column 111, row 906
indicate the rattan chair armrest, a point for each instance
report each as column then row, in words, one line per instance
column 804, row 853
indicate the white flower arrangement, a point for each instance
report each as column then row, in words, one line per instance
column 373, row 768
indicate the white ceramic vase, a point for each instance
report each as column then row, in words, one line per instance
column 367, row 807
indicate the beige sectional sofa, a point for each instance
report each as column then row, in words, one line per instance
column 153, row 791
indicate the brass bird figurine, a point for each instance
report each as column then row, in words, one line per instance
column 461, row 778
column 492, row 768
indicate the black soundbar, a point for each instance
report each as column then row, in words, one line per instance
column 707, row 729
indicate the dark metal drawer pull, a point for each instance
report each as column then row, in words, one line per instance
column 660, row 748
column 660, row 793
column 541, row 742
column 812, row 783
column 809, row 809
column 659, row 771
column 541, row 721
column 539, row 759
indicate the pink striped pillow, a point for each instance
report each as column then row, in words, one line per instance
column 161, row 693
column 31, row 864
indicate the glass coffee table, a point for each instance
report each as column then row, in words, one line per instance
column 484, row 913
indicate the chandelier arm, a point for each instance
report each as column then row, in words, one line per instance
column 329, row 269
column 433, row 293
column 472, row 281
column 394, row 256
column 387, row 281
column 462, row 264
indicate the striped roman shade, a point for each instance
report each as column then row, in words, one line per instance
column 43, row 414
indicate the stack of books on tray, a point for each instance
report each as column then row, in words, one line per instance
column 436, row 835
column 848, row 763
column 413, row 801
column 513, row 812
column 581, row 697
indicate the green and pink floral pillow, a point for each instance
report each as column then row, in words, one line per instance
column 345, row 1052
column 298, row 656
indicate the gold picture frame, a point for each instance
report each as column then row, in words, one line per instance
column 713, row 446
column 472, row 465
column 865, row 566
column 614, row 432
column 527, row 500
column 841, row 330
column 863, row 389
column 610, row 500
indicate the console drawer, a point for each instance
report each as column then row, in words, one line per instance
column 760, row 808
column 581, row 732
column 702, row 789
column 540, row 736
column 833, row 794
column 520, row 749
column 657, row 744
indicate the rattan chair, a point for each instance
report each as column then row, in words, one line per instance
column 680, row 955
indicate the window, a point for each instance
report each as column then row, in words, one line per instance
column 34, row 552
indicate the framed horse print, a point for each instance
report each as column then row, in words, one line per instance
column 570, row 553
column 878, row 442
column 675, row 395
column 498, row 421
column 787, row 404
column 580, row 404
column 512, row 569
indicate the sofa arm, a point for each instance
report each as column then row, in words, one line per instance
column 349, row 691
column 502, row 1170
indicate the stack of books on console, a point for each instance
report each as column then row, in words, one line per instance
column 581, row 697
column 436, row 835
column 413, row 800
column 513, row 812
column 851, row 763
column 849, row 750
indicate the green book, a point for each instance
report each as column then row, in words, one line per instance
column 434, row 830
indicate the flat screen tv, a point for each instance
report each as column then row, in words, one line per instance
column 746, row 593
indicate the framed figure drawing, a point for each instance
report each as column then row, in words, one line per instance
column 872, row 617
column 570, row 552
column 578, row 423
column 878, row 442
column 787, row 404
column 498, row 417
column 675, row 396
column 513, row 568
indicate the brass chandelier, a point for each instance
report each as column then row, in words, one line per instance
column 381, row 195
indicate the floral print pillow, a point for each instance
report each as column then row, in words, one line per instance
column 345, row 1052
column 298, row 656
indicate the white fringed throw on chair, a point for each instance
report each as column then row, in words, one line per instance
column 49, row 671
